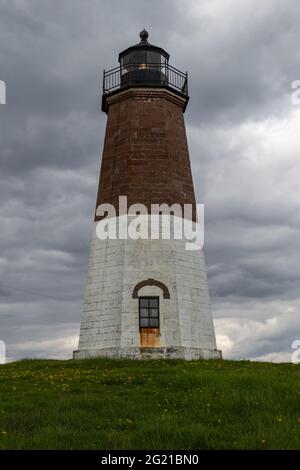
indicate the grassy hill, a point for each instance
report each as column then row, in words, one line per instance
column 121, row 404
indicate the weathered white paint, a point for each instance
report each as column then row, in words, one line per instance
column 110, row 323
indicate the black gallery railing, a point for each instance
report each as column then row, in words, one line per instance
column 145, row 74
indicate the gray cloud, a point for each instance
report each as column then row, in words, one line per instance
column 244, row 146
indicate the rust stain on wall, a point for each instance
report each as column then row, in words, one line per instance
column 150, row 337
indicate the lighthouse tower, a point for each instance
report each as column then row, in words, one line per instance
column 145, row 297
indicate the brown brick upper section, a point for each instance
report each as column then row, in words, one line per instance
column 145, row 155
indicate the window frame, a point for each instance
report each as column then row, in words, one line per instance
column 148, row 297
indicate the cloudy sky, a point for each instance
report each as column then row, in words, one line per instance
column 242, row 57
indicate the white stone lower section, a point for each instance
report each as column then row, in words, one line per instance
column 110, row 323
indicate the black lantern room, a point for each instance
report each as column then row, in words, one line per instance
column 143, row 65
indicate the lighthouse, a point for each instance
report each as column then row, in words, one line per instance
column 145, row 297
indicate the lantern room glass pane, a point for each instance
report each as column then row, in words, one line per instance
column 134, row 58
column 153, row 58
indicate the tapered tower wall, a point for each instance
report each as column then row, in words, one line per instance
column 145, row 154
column 146, row 158
column 110, row 324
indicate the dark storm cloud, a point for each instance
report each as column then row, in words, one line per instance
column 242, row 58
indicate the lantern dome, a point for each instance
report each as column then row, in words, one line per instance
column 143, row 53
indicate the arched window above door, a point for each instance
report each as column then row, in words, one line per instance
column 151, row 282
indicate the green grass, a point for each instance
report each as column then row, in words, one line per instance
column 123, row 404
